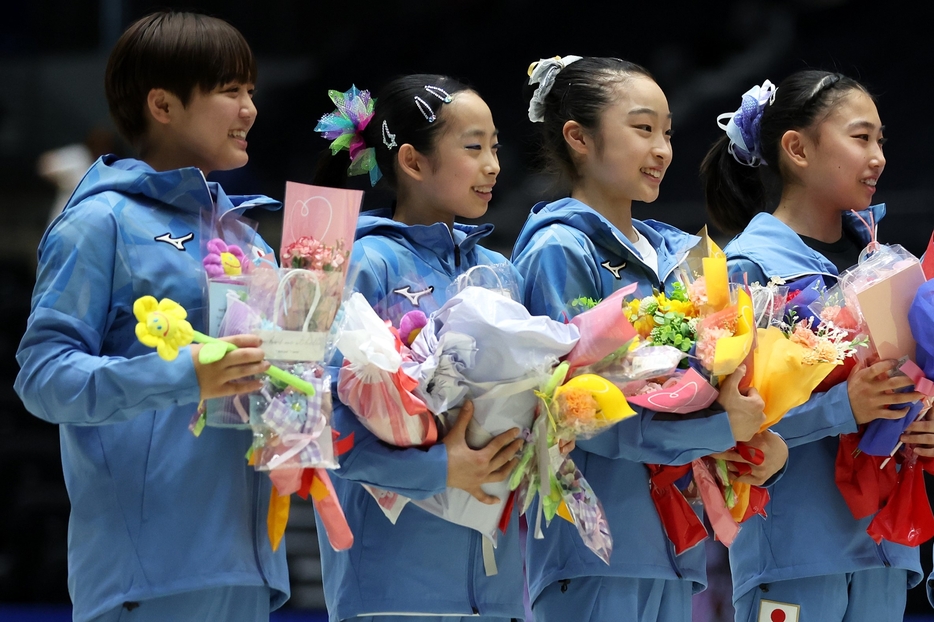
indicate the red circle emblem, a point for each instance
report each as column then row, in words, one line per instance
column 777, row 616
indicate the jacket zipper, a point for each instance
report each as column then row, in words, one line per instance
column 256, row 535
column 471, row 569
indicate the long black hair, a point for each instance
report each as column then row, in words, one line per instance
column 398, row 106
column 735, row 192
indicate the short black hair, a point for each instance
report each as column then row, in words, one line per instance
column 177, row 52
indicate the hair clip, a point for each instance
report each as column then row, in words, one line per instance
column 425, row 109
column 389, row 139
column 439, row 92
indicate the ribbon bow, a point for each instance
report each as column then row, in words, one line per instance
column 543, row 73
column 742, row 127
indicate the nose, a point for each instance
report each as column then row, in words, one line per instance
column 491, row 166
column 248, row 108
column 878, row 158
column 662, row 151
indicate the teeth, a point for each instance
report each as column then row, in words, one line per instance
column 483, row 188
column 651, row 171
column 238, row 134
column 870, row 182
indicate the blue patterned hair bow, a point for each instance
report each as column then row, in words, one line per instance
column 742, row 127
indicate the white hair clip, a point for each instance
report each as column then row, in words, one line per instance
column 389, row 139
column 543, row 73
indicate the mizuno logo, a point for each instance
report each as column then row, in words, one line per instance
column 413, row 297
column 178, row 243
column 614, row 269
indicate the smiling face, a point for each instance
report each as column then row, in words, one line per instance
column 464, row 162
column 210, row 132
column 633, row 143
column 847, row 154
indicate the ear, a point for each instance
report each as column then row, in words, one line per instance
column 161, row 104
column 411, row 163
column 796, row 145
column 576, row 137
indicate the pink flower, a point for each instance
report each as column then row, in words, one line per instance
column 697, row 292
column 830, row 313
column 707, row 344
column 802, row 335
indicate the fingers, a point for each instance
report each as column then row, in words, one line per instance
column 242, row 356
column 729, row 456
column 459, row 429
column 917, row 439
column 500, row 441
column 732, row 381
column 876, row 369
column 480, row 495
column 244, row 371
column 505, row 455
column 244, row 341
column 237, row 388
column 503, row 472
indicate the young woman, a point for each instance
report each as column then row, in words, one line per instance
column 607, row 127
column 820, row 133
column 436, row 145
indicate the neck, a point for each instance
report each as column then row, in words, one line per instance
column 412, row 209
column 617, row 210
column 166, row 160
column 808, row 216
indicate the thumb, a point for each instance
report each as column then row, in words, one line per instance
column 732, row 381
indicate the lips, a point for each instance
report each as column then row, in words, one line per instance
column 654, row 173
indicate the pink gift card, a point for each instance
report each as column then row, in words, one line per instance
column 691, row 393
column 884, row 305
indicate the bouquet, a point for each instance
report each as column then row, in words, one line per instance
column 479, row 345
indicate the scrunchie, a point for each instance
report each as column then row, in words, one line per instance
column 743, row 126
column 543, row 73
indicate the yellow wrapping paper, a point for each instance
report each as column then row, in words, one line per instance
column 784, row 381
column 278, row 517
column 732, row 351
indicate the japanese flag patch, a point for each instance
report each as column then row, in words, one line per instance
column 772, row 611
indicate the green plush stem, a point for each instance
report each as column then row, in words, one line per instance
column 273, row 372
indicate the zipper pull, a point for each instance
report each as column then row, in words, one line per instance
column 457, row 256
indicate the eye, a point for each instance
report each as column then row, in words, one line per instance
column 644, row 128
column 883, row 140
column 496, row 146
column 670, row 133
column 862, row 137
column 474, row 147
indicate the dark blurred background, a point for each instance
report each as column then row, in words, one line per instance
column 703, row 54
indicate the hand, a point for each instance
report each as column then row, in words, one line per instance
column 920, row 435
column 469, row 468
column 774, row 454
column 227, row 376
column 871, row 391
column 744, row 410
column 566, row 447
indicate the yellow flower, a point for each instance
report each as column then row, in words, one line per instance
column 162, row 325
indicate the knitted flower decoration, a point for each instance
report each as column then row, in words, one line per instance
column 162, row 325
column 224, row 260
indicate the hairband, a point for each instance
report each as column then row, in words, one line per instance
column 543, row 73
column 742, row 127
column 344, row 127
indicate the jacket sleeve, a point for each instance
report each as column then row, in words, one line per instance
column 823, row 415
column 414, row 472
column 558, row 268
column 663, row 438
column 64, row 377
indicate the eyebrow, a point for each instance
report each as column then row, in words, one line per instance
column 648, row 111
column 868, row 125
column 478, row 133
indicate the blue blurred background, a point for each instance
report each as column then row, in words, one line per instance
column 53, row 117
